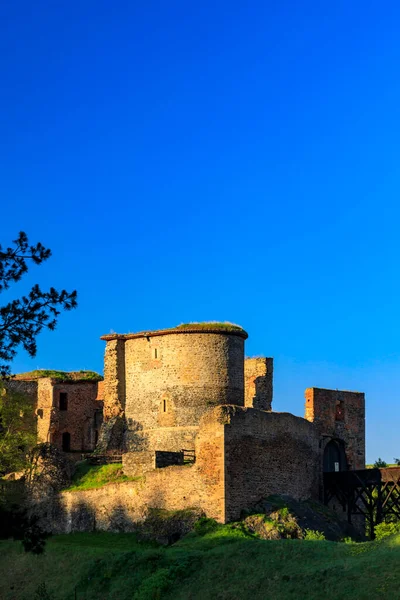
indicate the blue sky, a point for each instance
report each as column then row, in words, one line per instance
column 214, row 161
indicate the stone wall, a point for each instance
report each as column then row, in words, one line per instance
column 114, row 379
column 169, row 379
column 339, row 414
column 28, row 389
column 45, row 423
column 190, row 373
column 120, row 507
column 242, row 456
column 161, row 438
column 258, row 376
column 268, row 453
column 79, row 418
column 138, row 463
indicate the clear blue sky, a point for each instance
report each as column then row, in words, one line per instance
column 214, row 161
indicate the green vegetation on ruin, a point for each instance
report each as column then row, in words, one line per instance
column 223, row 326
column 226, row 562
column 89, row 477
column 62, row 376
column 388, row 465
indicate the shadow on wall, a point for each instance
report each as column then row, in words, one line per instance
column 71, row 513
column 134, row 438
column 262, row 398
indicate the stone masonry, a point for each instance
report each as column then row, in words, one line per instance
column 189, row 391
column 162, row 382
column 339, row 415
column 68, row 413
column 258, row 374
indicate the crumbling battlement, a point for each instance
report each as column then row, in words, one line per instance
column 258, row 375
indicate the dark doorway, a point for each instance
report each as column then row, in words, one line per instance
column 334, row 457
column 66, row 441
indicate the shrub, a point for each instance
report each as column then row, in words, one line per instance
column 312, row 535
column 205, row 525
column 383, row 530
column 380, row 464
column 42, row 593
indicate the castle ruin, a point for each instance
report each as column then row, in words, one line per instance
column 193, row 421
column 191, row 390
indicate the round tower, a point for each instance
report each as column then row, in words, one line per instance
column 170, row 378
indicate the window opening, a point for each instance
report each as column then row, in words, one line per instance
column 164, row 405
column 63, row 401
column 66, row 441
column 339, row 416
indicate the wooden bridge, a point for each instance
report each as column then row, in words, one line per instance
column 373, row 493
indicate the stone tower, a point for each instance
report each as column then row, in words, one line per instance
column 340, row 419
column 162, row 382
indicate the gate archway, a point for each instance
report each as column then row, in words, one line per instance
column 334, row 457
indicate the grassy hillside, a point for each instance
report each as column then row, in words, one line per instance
column 226, row 564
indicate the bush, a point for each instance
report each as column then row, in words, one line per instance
column 380, row 464
column 15, row 523
column 383, row 530
column 312, row 535
column 42, row 593
column 205, row 525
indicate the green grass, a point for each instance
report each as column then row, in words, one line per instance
column 62, row 376
column 224, row 564
column 88, row 477
column 389, row 465
column 224, row 326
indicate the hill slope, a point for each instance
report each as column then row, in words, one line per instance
column 226, row 564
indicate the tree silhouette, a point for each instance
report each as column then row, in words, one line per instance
column 21, row 320
column 380, row 464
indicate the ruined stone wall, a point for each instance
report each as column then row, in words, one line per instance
column 268, row 453
column 242, row 456
column 79, row 418
column 44, row 410
column 258, row 376
column 114, row 379
column 339, row 414
column 120, row 507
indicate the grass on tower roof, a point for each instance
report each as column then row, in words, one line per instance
column 223, row 325
column 61, row 375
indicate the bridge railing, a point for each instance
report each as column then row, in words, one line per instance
column 372, row 493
